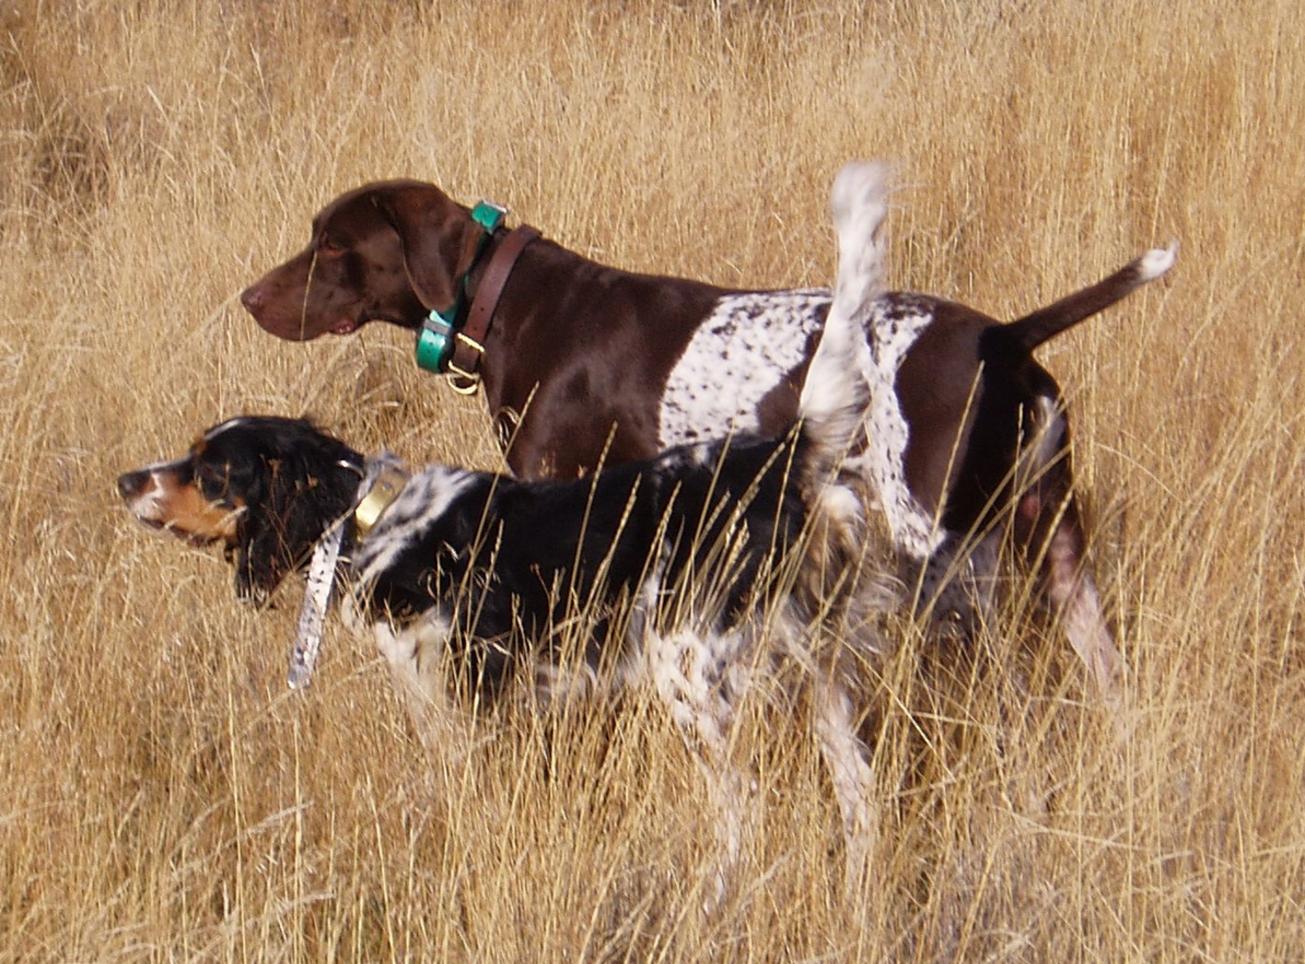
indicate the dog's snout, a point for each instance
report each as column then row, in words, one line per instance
column 132, row 484
column 253, row 298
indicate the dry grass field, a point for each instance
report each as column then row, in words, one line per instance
column 162, row 796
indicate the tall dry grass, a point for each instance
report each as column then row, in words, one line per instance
column 164, row 797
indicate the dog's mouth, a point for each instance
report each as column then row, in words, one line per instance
column 306, row 329
column 199, row 540
column 155, row 525
column 199, row 534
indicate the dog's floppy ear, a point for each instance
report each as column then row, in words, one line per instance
column 438, row 237
column 259, row 554
column 302, row 485
column 286, row 516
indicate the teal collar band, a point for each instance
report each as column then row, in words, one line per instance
column 439, row 329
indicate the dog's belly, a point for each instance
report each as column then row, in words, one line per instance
column 742, row 351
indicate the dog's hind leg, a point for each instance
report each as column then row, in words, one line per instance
column 958, row 584
column 1047, row 516
column 849, row 771
column 1073, row 594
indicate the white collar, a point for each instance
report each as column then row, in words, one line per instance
column 383, row 480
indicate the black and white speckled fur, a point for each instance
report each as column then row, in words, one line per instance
column 740, row 353
column 753, row 342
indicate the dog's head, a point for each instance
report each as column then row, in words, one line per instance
column 265, row 488
column 387, row 251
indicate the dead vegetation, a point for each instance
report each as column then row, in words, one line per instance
column 166, row 798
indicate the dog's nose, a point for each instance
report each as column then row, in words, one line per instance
column 131, row 484
column 253, row 298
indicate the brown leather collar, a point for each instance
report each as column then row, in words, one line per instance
column 470, row 343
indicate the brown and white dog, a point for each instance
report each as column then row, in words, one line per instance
column 968, row 432
column 696, row 570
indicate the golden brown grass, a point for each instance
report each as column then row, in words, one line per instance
column 164, row 797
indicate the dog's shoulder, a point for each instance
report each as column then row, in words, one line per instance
column 432, row 510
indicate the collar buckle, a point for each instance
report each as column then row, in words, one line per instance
column 389, row 483
column 435, row 340
column 461, row 380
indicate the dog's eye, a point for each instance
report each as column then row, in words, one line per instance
column 214, row 481
column 330, row 247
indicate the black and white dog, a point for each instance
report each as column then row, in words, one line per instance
column 693, row 569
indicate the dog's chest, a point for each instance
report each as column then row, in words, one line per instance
column 742, row 351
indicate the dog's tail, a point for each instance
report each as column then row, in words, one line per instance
column 1046, row 323
column 836, row 394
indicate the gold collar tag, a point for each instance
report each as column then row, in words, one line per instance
column 389, row 483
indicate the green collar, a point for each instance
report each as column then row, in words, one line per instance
column 439, row 328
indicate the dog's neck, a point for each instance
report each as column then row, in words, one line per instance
column 383, row 479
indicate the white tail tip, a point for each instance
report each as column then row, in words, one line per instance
column 1156, row 262
column 858, row 184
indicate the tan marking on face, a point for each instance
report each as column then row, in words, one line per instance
column 183, row 509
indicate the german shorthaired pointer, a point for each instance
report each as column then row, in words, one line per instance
column 968, row 432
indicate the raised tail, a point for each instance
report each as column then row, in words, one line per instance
column 1046, row 323
column 836, row 395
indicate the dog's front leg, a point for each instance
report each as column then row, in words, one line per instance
column 697, row 677
column 416, row 657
